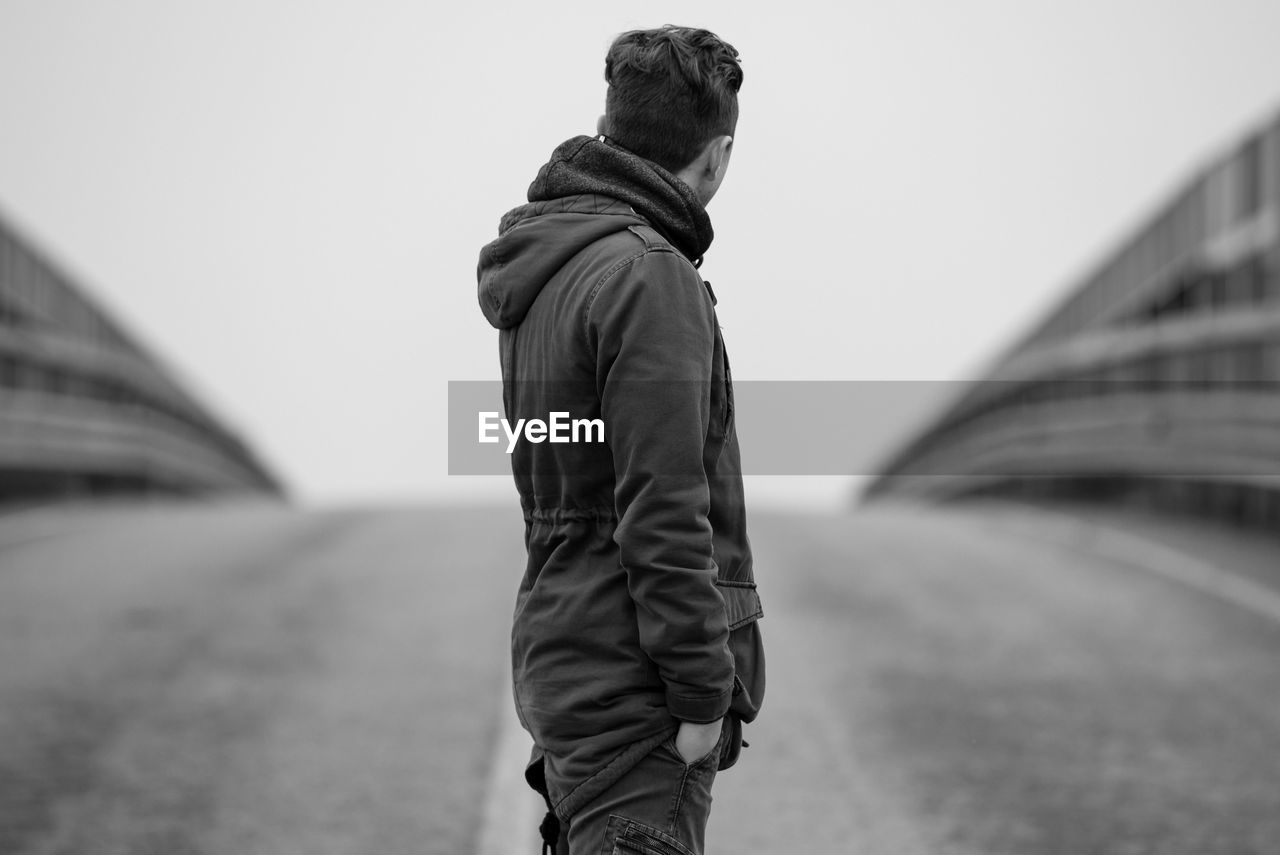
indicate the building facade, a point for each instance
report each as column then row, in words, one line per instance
column 84, row 410
column 1158, row 376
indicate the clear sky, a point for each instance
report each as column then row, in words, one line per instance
column 285, row 200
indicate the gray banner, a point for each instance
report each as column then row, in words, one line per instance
column 869, row 428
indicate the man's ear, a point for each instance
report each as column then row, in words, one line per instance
column 600, row 126
column 716, row 152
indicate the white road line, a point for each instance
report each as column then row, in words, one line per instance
column 14, row 542
column 1128, row 548
column 14, row 539
column 16, row 528
column 512, row 811
column 1193, row 572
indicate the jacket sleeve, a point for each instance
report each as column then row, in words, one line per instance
column 653, row 328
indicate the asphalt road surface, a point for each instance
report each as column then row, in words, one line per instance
column 248, row 679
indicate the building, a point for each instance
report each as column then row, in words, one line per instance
column 1157, row 377
column 85, row 411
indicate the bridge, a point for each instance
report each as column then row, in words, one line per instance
column 950, row 671
column 1157, row 378
column 86, row 410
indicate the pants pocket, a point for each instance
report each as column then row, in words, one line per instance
column 717, row 751
column 628, row 837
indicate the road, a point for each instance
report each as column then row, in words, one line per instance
column 253, row 679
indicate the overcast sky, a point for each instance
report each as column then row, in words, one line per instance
column 285, row 200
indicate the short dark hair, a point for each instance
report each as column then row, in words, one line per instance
column 671, row 91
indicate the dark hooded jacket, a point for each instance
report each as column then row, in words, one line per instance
column 638, row 606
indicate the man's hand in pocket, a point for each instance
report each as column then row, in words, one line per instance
column 695, row 741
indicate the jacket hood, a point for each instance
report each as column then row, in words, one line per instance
column 589, row 189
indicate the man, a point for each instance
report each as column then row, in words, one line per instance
column 635, row 651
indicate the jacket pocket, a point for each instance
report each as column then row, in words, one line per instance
column 742, row 603
column 731, row 747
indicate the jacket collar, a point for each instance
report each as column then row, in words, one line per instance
column 600, row 166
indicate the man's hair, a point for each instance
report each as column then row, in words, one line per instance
column 671, row 91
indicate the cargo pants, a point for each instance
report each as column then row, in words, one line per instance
column 659, row 807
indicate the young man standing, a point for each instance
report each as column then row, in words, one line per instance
column 636, row 654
